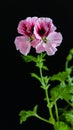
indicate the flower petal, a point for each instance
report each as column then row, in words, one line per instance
column 22, row 44
column 50, row 50
column 22, row 27
column 26, row 27
column 55, row 38
column 40, row 47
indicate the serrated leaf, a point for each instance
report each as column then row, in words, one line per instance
column 61, row 92
column 61, row 126
column 25, row 114
column 68, row 94
column 61, row 76
column 69, row 116
column 56, row 93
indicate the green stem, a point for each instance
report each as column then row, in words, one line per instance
column 47, row 97
column 66, row 65
column 43, row 119
column 42, row 81
column 49, row 107
column 56, row 110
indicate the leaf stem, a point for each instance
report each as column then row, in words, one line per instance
column 56, row 110
column 43, row 119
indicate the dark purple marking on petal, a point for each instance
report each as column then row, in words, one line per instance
column 41, row 32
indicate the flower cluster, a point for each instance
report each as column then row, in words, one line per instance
column 39, row 33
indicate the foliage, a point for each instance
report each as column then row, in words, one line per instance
column 61, row 126
column 63, row 90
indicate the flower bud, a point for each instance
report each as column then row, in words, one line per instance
column 69, row 57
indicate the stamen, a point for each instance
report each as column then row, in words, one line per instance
column 44, row 39
column 31, row 38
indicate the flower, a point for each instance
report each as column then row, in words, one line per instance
column 39, row 33
column 44, row 30
column 26, row 27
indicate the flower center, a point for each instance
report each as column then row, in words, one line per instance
column 31, row 38
column 44, row 39
column 41, row 32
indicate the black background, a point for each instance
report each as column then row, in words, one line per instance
column 17, row 90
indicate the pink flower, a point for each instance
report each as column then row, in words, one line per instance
column 44, row 31
column 26, row 28
column 39, row 33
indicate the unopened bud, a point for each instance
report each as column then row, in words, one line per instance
column 71, row 51
column 69, row 57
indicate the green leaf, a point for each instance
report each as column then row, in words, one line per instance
column 44, row 67
column 40, row 61
column 36, row 76
column 68, row 94
column 40, row 57
column 69, row 116
column 29, row 58
column 25, row 114
column 61, row 76
column 35, row 109
column 43, row 55
column 62, row 92
column 56, row 93
column 61, row 126
column 46, row 80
